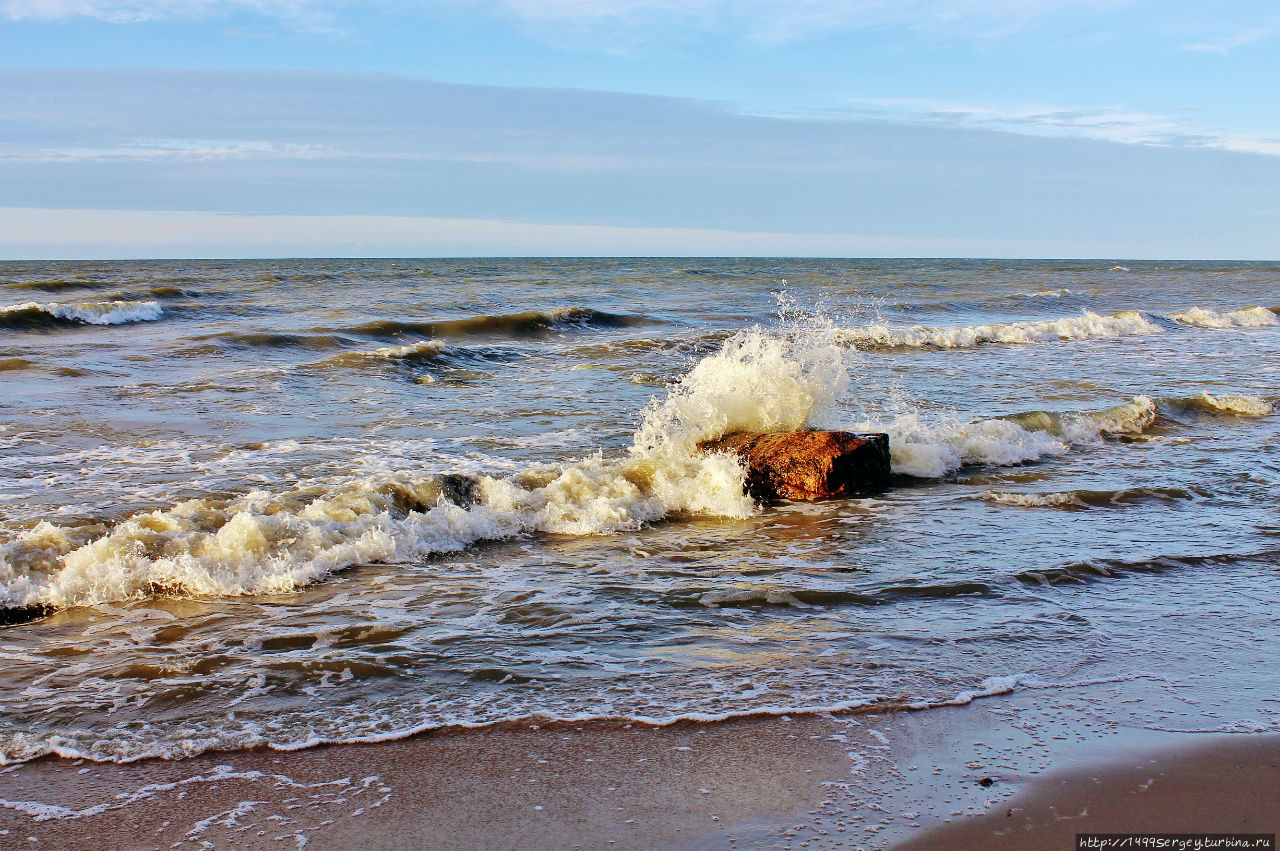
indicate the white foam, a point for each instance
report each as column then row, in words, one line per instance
column 418, row 349
column 1087, row 326
column 1037, row 500
column 932, row 447
column 421, row 347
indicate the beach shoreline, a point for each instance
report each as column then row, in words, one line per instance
column 923, row 779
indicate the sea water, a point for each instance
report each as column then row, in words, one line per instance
column 281, row 503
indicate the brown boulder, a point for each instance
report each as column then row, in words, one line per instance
column 808, row 465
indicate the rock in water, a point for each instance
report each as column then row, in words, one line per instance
column 808, row 464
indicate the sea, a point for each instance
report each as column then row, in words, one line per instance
column 280, row 503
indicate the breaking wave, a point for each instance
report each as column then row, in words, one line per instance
column 1249, row 317
column 1237, row 406
column 1087, row 326
column 932, row 448
column 264, row 542
column 32, row 315
column 430, row 353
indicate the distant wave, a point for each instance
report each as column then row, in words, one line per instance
column 15, row 364
column 1087, row 326
column 530, row 323
column 1094, row 569
column 32, row 315
column 1085, row 498
column 272, row 340
column 57, row 285
column 423, row 352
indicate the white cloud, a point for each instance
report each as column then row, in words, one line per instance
column 1112, row 124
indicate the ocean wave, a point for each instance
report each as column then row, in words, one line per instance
column 530, row 323
column 1091, row 570
column 264, row 542
column 1087, row 326
column 1237, row 406
column 15, row 364
column 33, row 315
column 1249, row 317
column 56, row 285
column 932, row 447
column 421, row 350
column 769, row 595
column 230, row 732
column 1085, row 498
column 424, row 352
column 269, row 340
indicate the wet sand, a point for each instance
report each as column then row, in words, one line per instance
column 1038, row 766
column 1222, row 785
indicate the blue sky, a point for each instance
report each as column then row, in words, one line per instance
column 1096, row 128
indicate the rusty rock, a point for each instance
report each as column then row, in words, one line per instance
column 808, row 465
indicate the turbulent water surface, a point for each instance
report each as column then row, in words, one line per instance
column 289, row 502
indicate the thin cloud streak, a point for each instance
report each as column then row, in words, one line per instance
column 1111, row 124
column 1240, row 39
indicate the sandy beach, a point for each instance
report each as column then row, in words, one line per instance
column 1021, row 771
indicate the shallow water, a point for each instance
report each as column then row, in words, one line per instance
column 221, row 492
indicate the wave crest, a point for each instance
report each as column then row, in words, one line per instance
column 1249, row 317
column 1087, row 326
column 1239, row 406
column 33, row 315
column 529, row 323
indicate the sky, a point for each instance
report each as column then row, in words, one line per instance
column 979, row 128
